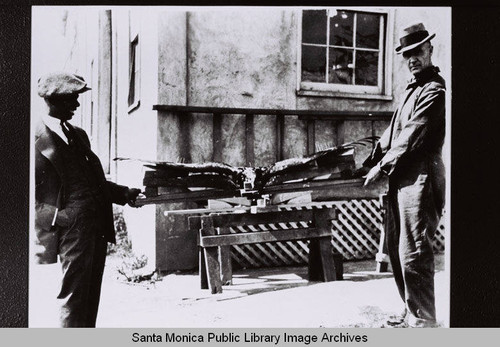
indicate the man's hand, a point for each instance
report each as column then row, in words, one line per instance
column 132, row 196
column 374, row 174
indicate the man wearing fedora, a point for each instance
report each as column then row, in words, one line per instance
column 409, row 153
column 73, row 201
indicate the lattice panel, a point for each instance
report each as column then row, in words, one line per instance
column 273, row 253
column 356, row 230
column 439, row 239
column 356, row 235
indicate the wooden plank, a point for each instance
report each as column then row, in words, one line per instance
column 310, row 171
column 202, row 268
column 278, row 248
column 314, row 267
column 185, row 119
column 282, row 245
column 328, row 270
column 340, row 127
column 211, row 257
column 249, row 140
column 263, row 236
column 217, row 136
column 187, row 196
column 311, row 185
column 280, row 135
column 319, row 185
column 311, row 136
column 195, row 180
column 322, row 220
column 225, row 259
column 319, row 114
column 236, row 219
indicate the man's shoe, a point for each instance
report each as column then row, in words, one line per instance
column 414, row 322
column 398, row 319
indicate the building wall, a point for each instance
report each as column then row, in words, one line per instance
column 136, row 129
column 248, row 58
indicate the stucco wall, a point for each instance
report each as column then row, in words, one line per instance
column 248, row 58
column 136, row 135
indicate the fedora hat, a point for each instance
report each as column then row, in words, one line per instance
column 413, row 36
column 60, row 84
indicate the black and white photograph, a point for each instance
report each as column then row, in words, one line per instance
column 240, row 167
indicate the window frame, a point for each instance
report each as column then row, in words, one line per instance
column 134, row 63
column 384, row 92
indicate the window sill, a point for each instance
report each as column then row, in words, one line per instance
column 332, row 94
column 134, row 106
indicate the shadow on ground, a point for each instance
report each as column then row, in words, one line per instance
column 262, row 280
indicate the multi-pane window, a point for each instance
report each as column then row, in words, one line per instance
column 343, row 51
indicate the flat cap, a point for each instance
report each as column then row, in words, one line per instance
column 61, row 84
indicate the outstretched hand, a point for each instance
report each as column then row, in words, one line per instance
column 132, row 196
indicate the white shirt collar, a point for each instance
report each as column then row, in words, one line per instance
column 54, row 124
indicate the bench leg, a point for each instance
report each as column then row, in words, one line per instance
column 213, row 269
column 202, row 269
column 321, row 259
column 322, row 266
column 225, row 260
column 338, row 260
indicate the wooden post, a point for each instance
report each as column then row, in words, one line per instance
column 211, row 257
column 311, row 136
column 321, row 264
column 280, row 135
column 225, row 259
column 381, row 257
column 202, row 268
column 250, row 139
column 217, row 137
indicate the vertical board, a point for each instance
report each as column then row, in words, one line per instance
column 233, row 139
column 200, row 139
column 326, row 135
column 265, row 145
column 295, row 138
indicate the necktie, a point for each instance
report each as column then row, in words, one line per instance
column 66, row 130
column 83, row 149
column 74, row 140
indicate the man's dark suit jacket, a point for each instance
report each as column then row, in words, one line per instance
column 49, row 193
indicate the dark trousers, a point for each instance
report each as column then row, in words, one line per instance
column 413, row 217
column 82, row 255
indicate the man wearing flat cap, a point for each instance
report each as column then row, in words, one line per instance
column 74, row 217
column 409, row 153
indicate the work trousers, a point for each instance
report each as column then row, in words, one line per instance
column 82, row 250
column 413, row 217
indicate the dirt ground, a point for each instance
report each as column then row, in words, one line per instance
column 276, row 297
column 258, row 298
